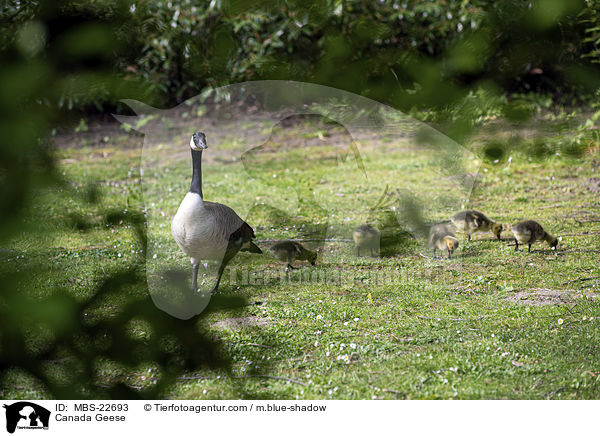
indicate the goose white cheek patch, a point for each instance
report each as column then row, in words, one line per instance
column 273, row 188
column 193, row 145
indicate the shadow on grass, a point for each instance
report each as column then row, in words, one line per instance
column 65, row 343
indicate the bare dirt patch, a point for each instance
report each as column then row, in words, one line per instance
column 593, row 185
column 241, row 322
column 541, row 297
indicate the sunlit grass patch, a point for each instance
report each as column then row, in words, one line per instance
column 399, row 326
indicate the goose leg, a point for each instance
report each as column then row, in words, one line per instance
column 195, row 267
column 234, row 245
column 289, row 263
column 357, row 251
column 219, row 275
column 516, row 245
column 449, row 254
column 529, row 248
column 229, row 254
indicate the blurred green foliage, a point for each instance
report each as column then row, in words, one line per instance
column 404, row 52
column 457, row 64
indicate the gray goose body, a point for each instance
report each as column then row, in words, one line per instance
column 203, row 229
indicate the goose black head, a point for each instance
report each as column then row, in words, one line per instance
column 198, row 141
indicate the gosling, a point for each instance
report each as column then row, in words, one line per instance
column 471, row 221
column 528, row 232
column 366, row 237
column 288, row 251
column 442, row 238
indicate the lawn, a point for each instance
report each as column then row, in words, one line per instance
column 489, row 323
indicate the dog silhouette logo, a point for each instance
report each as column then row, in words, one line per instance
column 26, row 415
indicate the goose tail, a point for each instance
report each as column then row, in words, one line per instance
column 251, row 247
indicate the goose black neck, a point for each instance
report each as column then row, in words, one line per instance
column 196, row 186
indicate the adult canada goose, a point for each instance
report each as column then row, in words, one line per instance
column 471, row 221
column 205, row 230
column 528, row 232
column 442, row 238
column 367, row 237
column 288, row 251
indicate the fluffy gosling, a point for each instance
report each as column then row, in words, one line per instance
column 442, row 238
column 471, row 221
column 528, row 232
column 288, row 251
column 366, row 237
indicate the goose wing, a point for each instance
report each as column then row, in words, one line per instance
column 228, row 223
column 244, row 232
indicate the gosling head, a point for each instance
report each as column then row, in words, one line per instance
column 497, row 229
column 198, row 141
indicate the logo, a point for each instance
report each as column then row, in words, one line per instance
column 26, row 415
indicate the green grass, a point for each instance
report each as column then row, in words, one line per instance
column 401, row 326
